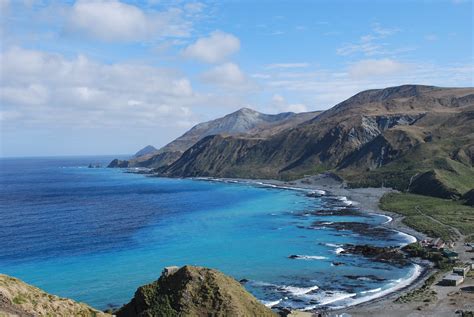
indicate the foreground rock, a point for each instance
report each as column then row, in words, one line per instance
column 20, row 299
column 193, row 291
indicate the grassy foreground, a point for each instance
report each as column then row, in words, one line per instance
column 435, row 217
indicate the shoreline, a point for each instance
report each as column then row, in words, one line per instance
column 367, row 201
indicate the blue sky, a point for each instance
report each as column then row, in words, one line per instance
column 108, row 77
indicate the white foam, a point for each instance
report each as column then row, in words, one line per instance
column 298, row 291
column 375, row 290
column 389, row 219
column 317, row 192
column 327, row 223
column 270, row 304
column 325, row 298
column 339, row 250
column 409, row 238
column 332, row 245
column 399, row 284
column 310, row 257
column 345, row 201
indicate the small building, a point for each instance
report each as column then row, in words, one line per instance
column 438, row 244
column 450, row 254
column 169, row 270
column 452, row 280
column 462, row 270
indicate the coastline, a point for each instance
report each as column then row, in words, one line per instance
column 367, row 200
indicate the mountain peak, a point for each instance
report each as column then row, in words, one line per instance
column 246, row 111
column 149, row 149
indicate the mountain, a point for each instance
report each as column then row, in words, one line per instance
column 378, row 137
column 193, row 291
column 147, row 150
column 242, row 122
column 20, row 299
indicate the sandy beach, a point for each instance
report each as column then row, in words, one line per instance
column 447, row 301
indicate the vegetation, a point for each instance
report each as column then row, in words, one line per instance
column 440, row 261
column 20, row 299
column 422, row 294
column 193, row 291
column 26, row 300
column 455, row 177
column 435, row 217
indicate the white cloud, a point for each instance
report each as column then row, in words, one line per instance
column 213, row 49
column 279, row 104
column 369, row 44
column 376, row 67
column 228, row 75
column 366, row 47
column 112, row 20
column 287, row 65
column 326, row 87
column 45, row 88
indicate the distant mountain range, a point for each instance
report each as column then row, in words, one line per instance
column 239, row 123
column 419, row 138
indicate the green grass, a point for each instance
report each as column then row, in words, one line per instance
column 422, row 294
column 20, row 299
column 422, row 158
column 418, row 209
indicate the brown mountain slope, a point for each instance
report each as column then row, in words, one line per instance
column 373, row 130
column 242, row 122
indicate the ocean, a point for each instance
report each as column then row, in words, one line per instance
column 96, row 234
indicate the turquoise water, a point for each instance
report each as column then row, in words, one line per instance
column 95, row 235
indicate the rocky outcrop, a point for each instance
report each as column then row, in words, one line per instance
column 193, row 291
column 116, row 163
column 381, row 254
column 20, row 299
column 468, row 198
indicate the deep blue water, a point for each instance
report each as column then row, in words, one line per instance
column 96, row 234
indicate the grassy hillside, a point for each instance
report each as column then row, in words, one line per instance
column 440, row 157
column 434, row 216
column 20, row 299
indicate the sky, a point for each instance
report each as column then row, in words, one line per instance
column 93, row 77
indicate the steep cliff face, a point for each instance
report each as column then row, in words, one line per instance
column 370, row 138
column 193, row 291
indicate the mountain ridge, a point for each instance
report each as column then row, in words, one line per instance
column 241, row 122
column 368, row 139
